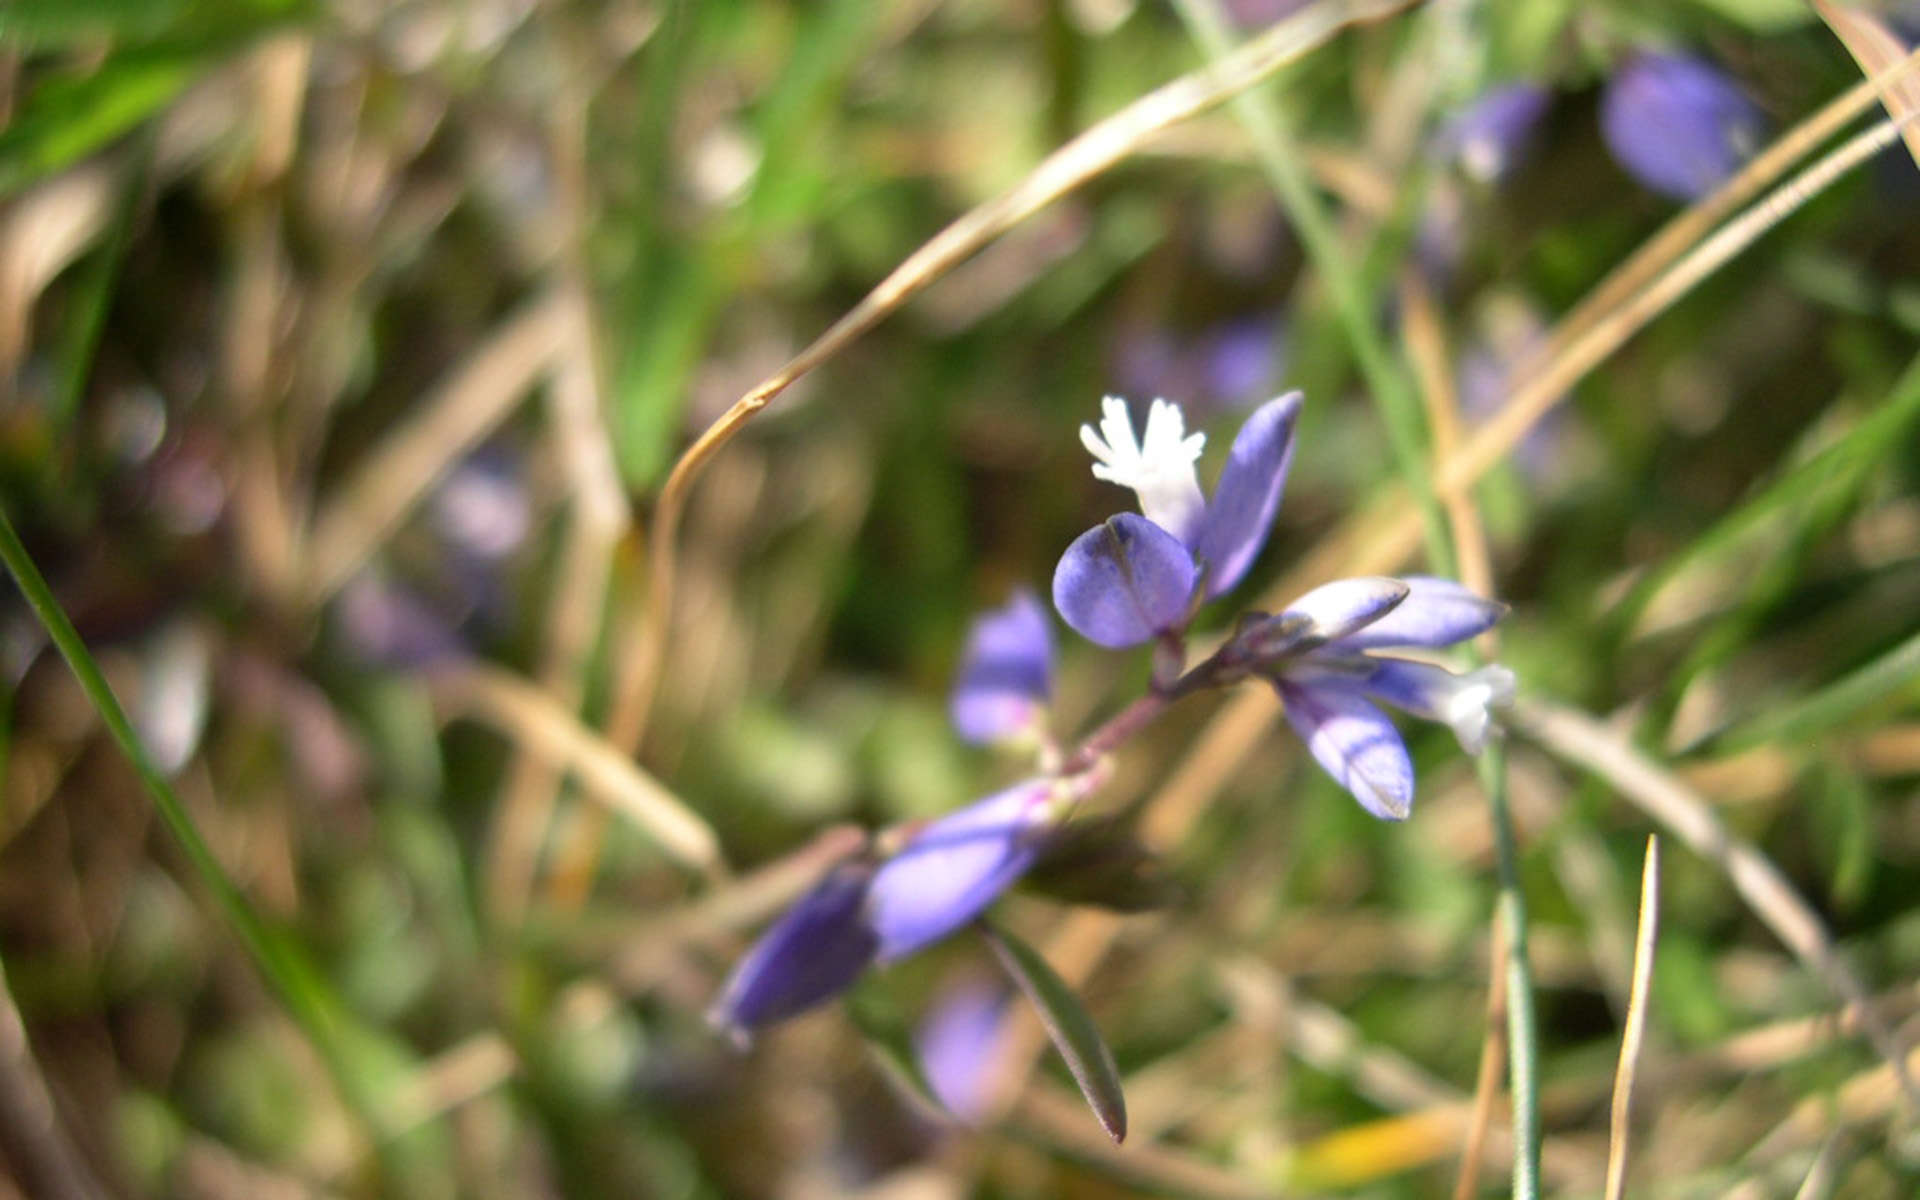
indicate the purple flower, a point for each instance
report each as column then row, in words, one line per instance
column 944, row 876
column 956, row 1044
column 1322, row 655
column 811, row 954
column 387, row 624
column 1131, row 578
column 482, row 508
column 1495, row 132
column 1006, row 672
column 1677, row 123
column 1242, row 356
column 952, row 869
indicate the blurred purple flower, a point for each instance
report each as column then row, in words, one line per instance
column 811, row 954
column 386, row 624
column 1510, row 333
column 1242, row 358
column 1228, row 365
column 1439, row 239
column 1131, row 578
column 1677, row 123
column 952, row 869
column 956, row 1043
column 482, row 508
column 1006, row 672
column 1494, row 133
column 1320, row 654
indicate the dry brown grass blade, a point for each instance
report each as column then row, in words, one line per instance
column 1533, row 398
column 1579, row 739
column 1878, row 51
column 1073, row 164
column 462, row 410
column 41, row 233
column 596, row 521
column 541, row 727
column 1427, row 349
column 1869, row 1095
column 1636, row 1027
column 1493, row 1067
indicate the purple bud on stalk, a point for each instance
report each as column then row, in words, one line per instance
column 1678, row 124
column 952, row 869
column 812, row 953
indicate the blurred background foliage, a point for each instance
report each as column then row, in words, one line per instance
column 347, row 344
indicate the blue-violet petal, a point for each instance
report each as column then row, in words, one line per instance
column 1355, row 743
column 1436, row 612
column 1123, row 581
column 952, row 869
column 812, row 953
column 1464, row 702
column 1678, row 124
column 1345, row 606
column 1248, row 494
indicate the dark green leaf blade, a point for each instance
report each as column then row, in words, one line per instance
column 1072, row 1030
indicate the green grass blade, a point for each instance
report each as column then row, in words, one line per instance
column 1802, row 722
column 67, row 119
column 1840, row 468
column 304, row 993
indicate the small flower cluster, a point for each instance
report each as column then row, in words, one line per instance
column 1674, row 121
column 1134, row 579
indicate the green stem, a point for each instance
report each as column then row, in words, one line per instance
column 1523, row 1074
column 291, row 976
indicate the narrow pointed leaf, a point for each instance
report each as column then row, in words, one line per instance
column 1072, row 1030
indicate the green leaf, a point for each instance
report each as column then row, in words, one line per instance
column 66, row 119
column 1843, row 832
column 1799, row 724
column 1072, row 1030
column 43, row 23
column 59, row 21
column 1761, row 16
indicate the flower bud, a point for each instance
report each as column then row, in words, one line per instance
column 811, row 954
